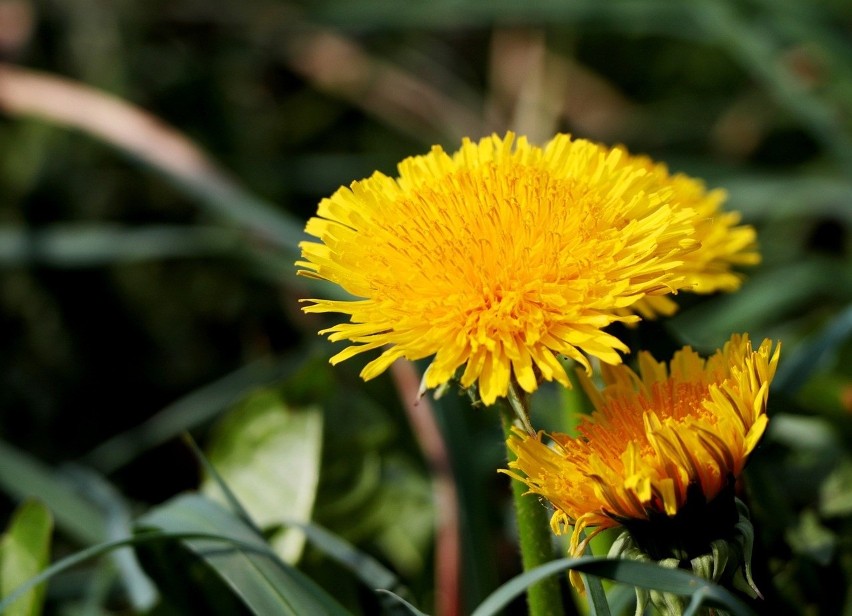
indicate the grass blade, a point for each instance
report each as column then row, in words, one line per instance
column 265, row 584
column 644, row 575
column 22, row 476
column 184, row 414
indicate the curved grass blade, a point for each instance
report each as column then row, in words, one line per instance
column 677, row 581
column 141, row 593
column 501, row 597
column 397, row 600
column 264, row 582
column 644, row 575
column 106, row 547
column 149, row 140
column 22, row 476
column 367, row 569
column 187, row 412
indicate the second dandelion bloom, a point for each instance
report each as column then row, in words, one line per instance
column 661, row 451
column 500, row 257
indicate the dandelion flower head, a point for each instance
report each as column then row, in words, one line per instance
column 669, row 439
column 499, row 258
column 723, row 243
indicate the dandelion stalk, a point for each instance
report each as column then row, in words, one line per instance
column 544, row 597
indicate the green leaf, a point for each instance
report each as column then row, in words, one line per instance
column 768, row 296
column 363, row 566
column 598, row 604
column 24, row 477
column 809, row 357
column 644, row 575
column 269, row 456
column 24, row 551
column 265, row 584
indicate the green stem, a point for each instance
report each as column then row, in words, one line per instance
column 544, row 597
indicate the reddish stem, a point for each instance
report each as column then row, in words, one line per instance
column 447, row 548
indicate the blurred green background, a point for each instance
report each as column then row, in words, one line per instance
column 140, row 297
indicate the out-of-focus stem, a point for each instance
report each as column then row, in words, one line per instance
column 429, row 437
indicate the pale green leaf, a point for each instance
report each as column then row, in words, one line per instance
column 269, row 455
column 24, row 551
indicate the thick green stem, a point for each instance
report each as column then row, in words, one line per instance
column 543, row 598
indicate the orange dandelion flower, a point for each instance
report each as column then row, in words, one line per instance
column 659, row 448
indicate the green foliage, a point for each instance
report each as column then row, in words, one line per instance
column 643, row 575
column 148, row 288
column 265, row 584
column 24, row 552
column 24, row 477
column 264, row 443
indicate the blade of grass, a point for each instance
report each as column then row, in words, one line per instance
column 149, row 140
column 409, row 609
column 22, row 476
column 366, row 568
column 100, row 549
column 263, row 581
column 93, row 245
column 644, row 575
column 186, row 413
column 141, row 592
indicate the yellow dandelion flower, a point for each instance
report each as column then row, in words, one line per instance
column 659, row 450
column 722, row 242
column 498, row 258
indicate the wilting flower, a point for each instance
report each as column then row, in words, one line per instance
column 498, row 258
column 661, row 451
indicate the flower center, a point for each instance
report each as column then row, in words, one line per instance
column 690, row 532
